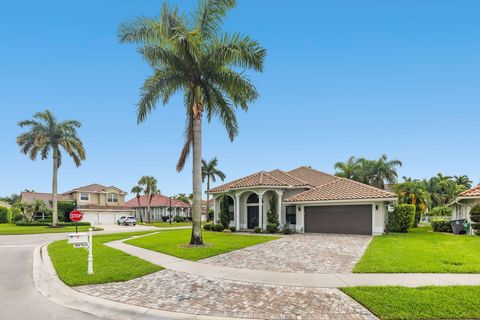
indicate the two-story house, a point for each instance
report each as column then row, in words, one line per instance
column 99, row 204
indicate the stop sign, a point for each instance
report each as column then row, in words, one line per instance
column 76, row 215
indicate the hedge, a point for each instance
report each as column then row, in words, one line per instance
column 475, row 217
column 442, row 226
column 60, row 224
column 5, row 215
column 402, row 218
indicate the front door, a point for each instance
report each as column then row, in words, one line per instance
column 252, row 212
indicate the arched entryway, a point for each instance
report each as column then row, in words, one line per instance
column 253, row 217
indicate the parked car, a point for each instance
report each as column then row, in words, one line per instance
column 127, row 220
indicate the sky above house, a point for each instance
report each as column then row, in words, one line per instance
column 341, row 78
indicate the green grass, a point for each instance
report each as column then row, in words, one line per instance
column 12, row 229
column 168, row 225
column 174, row 242
column 421, row 251
column 109, row 265
column 456, row 302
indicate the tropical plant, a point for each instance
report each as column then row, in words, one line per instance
column 442, row 189
column 441, row 212
column 46, row 135
column 272, row 214
column 413, row 192
column 349, row 169
column 207, row 65
column 137, row 190
column 211, row 173
column 401, row 218
column 463, row 180
column 149, row 186
column 224, row 214
column 182, row 197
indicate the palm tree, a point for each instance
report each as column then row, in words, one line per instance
column 46, row 135
column 413, row 192
column 137, row 190
column 463, row 180
column 349, row 169
column 149, row 186
column 195, row 57
column 211, row 173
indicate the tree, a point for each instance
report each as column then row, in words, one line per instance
column 463, row 180
column 413, row 192
column 224, row 214
column 137, row 190
column 149, row 186
column 211, row 173
column 191, row 54
column 272, row 214
column 182, row 197
column 46, row 135
column 349, row 169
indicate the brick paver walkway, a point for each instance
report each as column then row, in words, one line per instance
column 180, row 292
column 301, row 253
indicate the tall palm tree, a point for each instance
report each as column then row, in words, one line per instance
column 137, row 190
column 46, row 135
column 149, row 187
column 349, row 169
column 191, row 54
column 463, row 180
column 211, row 173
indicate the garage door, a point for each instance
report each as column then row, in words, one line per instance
column 90, row 217
column 107, row 218
column 339, row 219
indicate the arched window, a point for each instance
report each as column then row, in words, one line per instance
column 253, row 198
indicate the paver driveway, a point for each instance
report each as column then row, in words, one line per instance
column 303, row 253
column 181, row 292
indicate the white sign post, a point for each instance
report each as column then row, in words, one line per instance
column 90, row 255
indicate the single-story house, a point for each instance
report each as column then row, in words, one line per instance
column 4, row 204
column 464, row 202
column 308, row 199
column 158, row 207
column 99, row 204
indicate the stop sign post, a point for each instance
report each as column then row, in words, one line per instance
column 76, row 216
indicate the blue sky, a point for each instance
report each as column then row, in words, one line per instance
column 341, row 78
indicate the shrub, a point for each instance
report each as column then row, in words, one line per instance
column 47, row 220
column 442, row 226
column 257, row 229
column 207, row 227
column 223, row 215
column 272, row 227
column 17, row 217
column 475, row 217
column 210, row 214
column 178, row 218
column 164, row 218
column 4, row 214
column 287, row 229
column 401, row 218
column 32, row 224
column 272, row 214
column 218, row 227
column 441, row 211
column 66, row 224
column 232, row 228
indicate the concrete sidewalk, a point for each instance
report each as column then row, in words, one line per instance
column 334, row 280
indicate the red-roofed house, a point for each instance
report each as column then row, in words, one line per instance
column 309, row 200
column 464, row 202
column 159, row 207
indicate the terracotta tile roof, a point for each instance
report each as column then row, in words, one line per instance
column 341, row 189
column 99, row 207
column 45, row 197
column 95, row 187
column 288, row 178
column 474, row 192
column 157, row 201
column 312, row 176
column 258, row 179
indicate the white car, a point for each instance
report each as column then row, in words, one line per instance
column 127, row 220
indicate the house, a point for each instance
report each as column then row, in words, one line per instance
column 464, row 202
column 99, row 204
column 159, row 207
column 309, row 200
column 4, row 204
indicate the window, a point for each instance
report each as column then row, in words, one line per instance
column 84, row 196
column 253, row 198
column 112, row 197
column 291, row 214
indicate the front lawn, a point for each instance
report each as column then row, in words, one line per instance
column 174, row 243
column 455, row 302
column 168, row 225
column 109, row 265
column 11, row 229
column 421, row 251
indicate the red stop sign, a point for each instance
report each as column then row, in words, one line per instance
column 76, row 215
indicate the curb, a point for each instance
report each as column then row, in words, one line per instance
column 50, row 286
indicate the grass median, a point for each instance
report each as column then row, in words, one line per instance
column 175, row 243
column 13, row 229
column 109, row 265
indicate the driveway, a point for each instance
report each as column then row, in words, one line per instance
column 300, row 253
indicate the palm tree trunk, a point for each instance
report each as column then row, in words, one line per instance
column 140, row 208
column 197, row 182
column 208, row 196
column 148, row 210
column 54, row 189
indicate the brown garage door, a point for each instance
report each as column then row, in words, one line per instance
column 339, row 219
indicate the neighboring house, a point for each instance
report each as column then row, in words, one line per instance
column 159, row 207
column 204, row 208
column 99, row 204
column 309, row 200
column 4, row 204
column 464, row 202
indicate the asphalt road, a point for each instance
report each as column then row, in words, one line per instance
column 19, row 300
